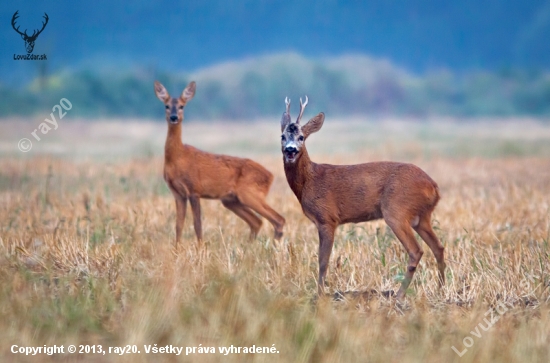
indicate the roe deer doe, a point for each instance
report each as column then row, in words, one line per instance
column 331, row 195
column 191, row 174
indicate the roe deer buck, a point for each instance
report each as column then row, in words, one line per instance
column 191, row 174
column 331, row 195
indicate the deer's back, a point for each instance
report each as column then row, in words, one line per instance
column 362, row 192
column 214, row 175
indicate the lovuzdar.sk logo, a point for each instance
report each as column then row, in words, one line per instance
column 29, row 39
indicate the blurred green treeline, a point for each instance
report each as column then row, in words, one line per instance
column 256, row 87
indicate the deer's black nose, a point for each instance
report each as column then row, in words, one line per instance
column 291, row 149
column 173, row 118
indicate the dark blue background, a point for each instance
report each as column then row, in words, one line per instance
column 185, row 35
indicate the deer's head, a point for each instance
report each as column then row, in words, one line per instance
column 174, row 106
column 294, row 135
column 29, row 39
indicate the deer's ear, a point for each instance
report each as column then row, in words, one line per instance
column 161, row 92
column 285, row 120
column 313, row 125
column 189, row 91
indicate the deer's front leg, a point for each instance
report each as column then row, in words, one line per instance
column 196, row 208
column 326, row 240
column 181, row 208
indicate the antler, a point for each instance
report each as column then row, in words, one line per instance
column 302, row 108
column 285, row 119
column 43, row 26
column 13, row 19
column 287, row 103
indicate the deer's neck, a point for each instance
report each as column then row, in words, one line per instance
column 299, row 173
column 173, row 144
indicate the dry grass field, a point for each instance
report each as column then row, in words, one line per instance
column 87, row 233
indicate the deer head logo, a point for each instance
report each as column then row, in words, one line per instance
column 29, row 39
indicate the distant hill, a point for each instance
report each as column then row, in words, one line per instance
column 256, row 87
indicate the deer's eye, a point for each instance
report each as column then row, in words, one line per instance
column 167, row 107
column 181, row 107
column 283, row 138
column 300, row 138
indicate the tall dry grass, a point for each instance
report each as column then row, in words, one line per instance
column 86, row 257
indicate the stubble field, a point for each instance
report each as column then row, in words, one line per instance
column 87, row 249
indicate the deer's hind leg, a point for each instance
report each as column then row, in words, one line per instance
column 256, row 202
column 403, row 231
column 234, row 205
column 425, row 230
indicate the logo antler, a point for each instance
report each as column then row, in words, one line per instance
column 13, row 19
